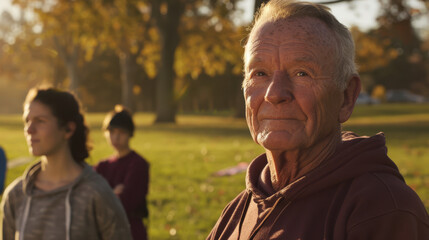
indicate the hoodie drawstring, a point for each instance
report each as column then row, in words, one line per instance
column 27, row 212
column 68, row 214
column 25, row 217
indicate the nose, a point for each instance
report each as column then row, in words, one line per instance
column 279, row 90
column 29, row 128
column 114, row 137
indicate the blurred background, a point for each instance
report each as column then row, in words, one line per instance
column 180, row 56
column 180, row 62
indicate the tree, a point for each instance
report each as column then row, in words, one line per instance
column 168, row 15
column 24, row 62
column 211, row 78
column 20, row 46
column 64, row 24
column 126, row 30
column 408, row 69
column 80, row 28
column 372, row 52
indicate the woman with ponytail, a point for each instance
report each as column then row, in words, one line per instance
column 60, row 196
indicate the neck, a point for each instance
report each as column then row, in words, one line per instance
column 57, row 171
column 288, row 166
column 123, row 152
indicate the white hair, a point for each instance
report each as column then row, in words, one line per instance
column 276, row 10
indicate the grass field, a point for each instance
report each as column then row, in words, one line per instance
column 186, row 199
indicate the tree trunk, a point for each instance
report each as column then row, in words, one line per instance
column 168, row 24
column 72, row 75
column 165, row 107
column 58, row 73
column 70, row 59
column 127, row 82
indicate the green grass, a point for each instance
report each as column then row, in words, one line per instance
column 186, row 199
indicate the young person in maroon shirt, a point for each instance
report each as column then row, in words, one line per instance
column 126, row 171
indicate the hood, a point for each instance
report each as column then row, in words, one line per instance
column 30, row 175
column 356, row 156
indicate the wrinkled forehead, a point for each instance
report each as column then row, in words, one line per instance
column 306, row 30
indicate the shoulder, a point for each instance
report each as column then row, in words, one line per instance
column 2, row 156
column 95, row 189
column 137, row 160
column 235, row 205
column 138, row 157
column 231, row 212
column 14, row 191
column 104, row 205
column 92, row 187
column 384, row 189
column 14, row 187
column 102, row 164
column 95, row 183
column 377, row 195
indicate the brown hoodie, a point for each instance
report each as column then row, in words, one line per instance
column 358, row 193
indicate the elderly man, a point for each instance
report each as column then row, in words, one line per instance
column 313, row 182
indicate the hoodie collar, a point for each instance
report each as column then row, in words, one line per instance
column 355, row 156
column 31, row 173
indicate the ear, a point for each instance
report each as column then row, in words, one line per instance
column 70, row 129
column 350, row 95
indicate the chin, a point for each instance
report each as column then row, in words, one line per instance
column 36, row 154
column 278, row 144
column 117, row 148
column 279, row 147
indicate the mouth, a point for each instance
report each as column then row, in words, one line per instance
column 279, row 124
column 276, row 119
column 276, row 116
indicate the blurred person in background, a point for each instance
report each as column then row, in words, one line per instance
column 60, row 196
column 126, row 171
column 3, row 168
column 313, row 181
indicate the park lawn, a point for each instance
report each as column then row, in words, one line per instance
column 185, row 197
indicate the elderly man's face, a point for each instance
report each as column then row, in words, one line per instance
column 292, row 101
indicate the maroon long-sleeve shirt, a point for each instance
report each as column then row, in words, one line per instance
column 132, row 171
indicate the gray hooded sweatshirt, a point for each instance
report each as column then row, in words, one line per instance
column 83, row 209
